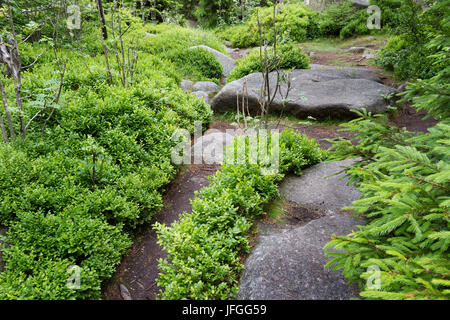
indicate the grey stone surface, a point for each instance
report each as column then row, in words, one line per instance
column 207, row 86
column 336, row 72
column 186, row 85
column 2, row 233
column 322, row 91
column 364, row 3
column 369, row 54
column 209, row 148
column 356, row 49
column 226, row 62
column 203, row 95
column 288, row 263
column 147, row 34
column 313, row 190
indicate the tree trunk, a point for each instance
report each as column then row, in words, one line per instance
column 104, row 37
column 102, row 19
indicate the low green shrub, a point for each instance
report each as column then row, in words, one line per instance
column 335, row 17
column 411, row 53
column 199, row 63
column 73, row 193
column 43, row 246
column 173, row 42
column 346, row 20
column 203, row 247
column 297, row 151
column 100, row 169
column 238, row 35
column 169, row 35
column 290, row 57
column 407, row 59
column 356, row 26
column 295, row 22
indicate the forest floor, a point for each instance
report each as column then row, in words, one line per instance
column 139, row 269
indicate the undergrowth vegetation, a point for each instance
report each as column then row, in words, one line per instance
column 290, row 57
column 88, row 114
column 404, row 178
column 412, row 52
column 92, row 168
column 203, row 247
column 174, row 42
column 297, row 22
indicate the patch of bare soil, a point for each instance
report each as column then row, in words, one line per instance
column 293, row 216
column 412, row 120
column 237, row 53
column 335, row 58
column 221, row 126
column 139, row 269
column 299, row 216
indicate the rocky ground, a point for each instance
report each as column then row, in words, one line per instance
column 321, row 92
column 135, row 278
column 287, row 260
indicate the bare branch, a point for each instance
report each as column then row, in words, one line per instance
column 32, row 32
column 33, row 117
column 37, row 58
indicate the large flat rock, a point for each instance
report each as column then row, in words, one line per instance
column 288, row 263
column 321, row 92
column 313, row 190
column 210, row 147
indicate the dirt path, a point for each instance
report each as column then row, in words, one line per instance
column 413, row 120
column 139, row 269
